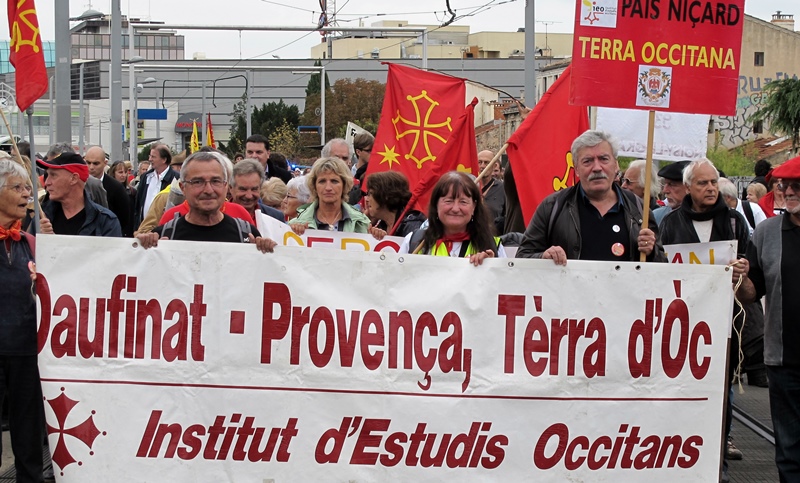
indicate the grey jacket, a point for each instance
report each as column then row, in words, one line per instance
column 764, row 253
column 557, row 223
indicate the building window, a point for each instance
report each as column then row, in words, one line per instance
column 759, row 59
column 758, row 127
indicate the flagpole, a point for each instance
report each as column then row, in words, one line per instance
column 489, row 167
column 651, row 125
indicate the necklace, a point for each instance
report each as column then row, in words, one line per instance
column 331, row 225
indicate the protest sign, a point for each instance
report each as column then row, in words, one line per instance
column 674, row 55
column 711, row 253
column 214, row 362
column 283, row 235
column 677, row 136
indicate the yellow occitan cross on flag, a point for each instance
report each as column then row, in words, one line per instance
column 194, row 144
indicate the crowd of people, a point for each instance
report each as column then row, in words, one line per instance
column 209, row 198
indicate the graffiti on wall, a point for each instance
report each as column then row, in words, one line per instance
column 736, row 130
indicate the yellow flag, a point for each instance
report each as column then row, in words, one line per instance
column 194, row 144
column 210, row 133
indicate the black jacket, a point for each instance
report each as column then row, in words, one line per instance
column 728, row 224
column 557, row 223
column 119, row 202
column 276, row 171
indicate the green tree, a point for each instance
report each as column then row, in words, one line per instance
column 285, row 140
column 359, row 101
column 781, row 109
column 264, row 121
column 313, row 86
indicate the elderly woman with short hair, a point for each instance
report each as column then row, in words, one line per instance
column 297, row 195
column 20, row 372
column 329, row 182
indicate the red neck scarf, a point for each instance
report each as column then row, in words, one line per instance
column 448, row 240
column 13, row 232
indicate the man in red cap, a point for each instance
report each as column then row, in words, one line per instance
column 774, row 257
column 68, row 210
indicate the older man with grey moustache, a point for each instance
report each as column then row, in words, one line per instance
column 595, row 219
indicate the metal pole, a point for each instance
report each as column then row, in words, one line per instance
column 203, row 118
column 322, row 106
column 116, row 82
column 63, row 81
column 50, row 117
column 530, row 54
column 80, row 109
column 132, row 131
column 248, row 104
column 158, row 122
column 21, row 124
column 425, row 49
column 34, row 177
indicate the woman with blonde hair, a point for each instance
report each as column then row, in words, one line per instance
column 330, row 181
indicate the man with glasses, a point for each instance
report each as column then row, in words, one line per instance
column 774, row 256
column 634, row 181
column 595, row 219
column 204, row 182
column 338, row 148
column 672, row 188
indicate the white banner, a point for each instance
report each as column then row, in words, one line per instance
column 283, row 235
column 712, row 253
column 352, row 130
column 214, row 362
column 676, row 137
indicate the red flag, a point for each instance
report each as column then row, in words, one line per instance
column 459, row 154
column 539, row 149
column 26, row 54
column 417, row 119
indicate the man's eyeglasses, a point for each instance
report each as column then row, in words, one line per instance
column 216, row 183
column 625, row 181
column 795, row 185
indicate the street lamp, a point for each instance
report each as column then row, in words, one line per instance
column 133, row 146
column 135, row 119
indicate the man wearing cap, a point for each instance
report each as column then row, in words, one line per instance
column 118, row 200
column 672, row 188
column 774, row 256
column 156, row 179
column 68, row 210
column 595, row 219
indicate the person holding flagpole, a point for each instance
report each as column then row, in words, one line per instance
column 459, row 223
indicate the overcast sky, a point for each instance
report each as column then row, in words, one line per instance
column 480, row 15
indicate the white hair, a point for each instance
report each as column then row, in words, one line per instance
column 728, row 189
column 688, row 171
column 299, row 183
column 655, row 182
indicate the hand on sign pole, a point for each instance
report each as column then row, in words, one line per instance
column 647, row 242
column 651, row 125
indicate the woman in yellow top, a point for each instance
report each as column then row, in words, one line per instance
column 458, row 223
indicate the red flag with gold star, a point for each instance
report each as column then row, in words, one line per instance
column 26, row 54
column 419, row 112
column 539, row 150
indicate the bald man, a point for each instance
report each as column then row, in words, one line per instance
column 118, row 200
column 492, row 187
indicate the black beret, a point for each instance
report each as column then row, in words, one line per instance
column 673, row 171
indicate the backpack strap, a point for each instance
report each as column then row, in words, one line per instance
column 748, row 213
column 31, row 242
column 244, row 230
column 169, row 227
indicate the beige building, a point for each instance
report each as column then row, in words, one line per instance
column 451, row 42
column 770, row 51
